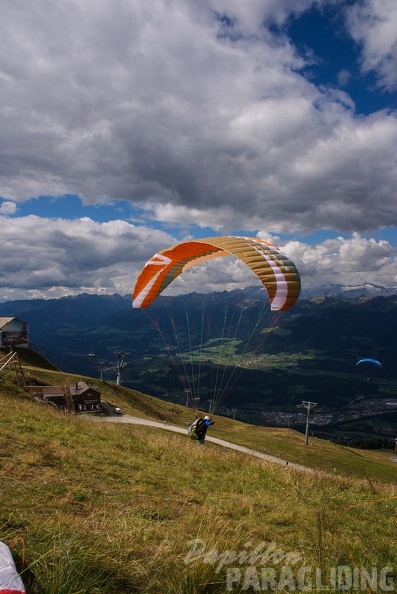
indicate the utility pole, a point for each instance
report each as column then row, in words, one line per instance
column 101, row 364
column 120, row 364
column 308, row 406
column 210, row 406
column 197, row 402
column 188, row 397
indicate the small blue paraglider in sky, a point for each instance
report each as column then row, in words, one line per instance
column 369, row 361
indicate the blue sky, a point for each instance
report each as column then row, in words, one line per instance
column 324, row 34
column 125, row 130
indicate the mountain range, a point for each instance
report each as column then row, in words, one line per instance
column 348, row 291
column 228, row 350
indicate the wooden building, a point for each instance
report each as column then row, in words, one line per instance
column 85, row 397
column 78, row 398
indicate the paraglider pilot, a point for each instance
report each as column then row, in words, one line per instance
column 201, row 428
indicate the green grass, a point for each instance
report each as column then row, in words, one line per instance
column 98, row 508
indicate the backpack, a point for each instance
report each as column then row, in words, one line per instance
column 191, row 430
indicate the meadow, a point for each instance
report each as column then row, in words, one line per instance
column 97, row 508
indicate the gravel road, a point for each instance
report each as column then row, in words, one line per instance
column 226, row 444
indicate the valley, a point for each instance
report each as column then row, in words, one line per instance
column 227, row 352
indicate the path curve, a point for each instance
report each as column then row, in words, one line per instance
column 226, row 444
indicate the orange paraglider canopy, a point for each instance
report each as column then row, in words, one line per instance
column 276, row 271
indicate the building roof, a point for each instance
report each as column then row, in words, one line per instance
column 48, row 390
column 81, row 387
column 4, row 321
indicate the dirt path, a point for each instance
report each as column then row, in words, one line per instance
column 221, row 442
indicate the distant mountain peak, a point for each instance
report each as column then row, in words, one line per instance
column 348, row 291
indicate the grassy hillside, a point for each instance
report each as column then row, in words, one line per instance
column 98, row 508
column 31, row 358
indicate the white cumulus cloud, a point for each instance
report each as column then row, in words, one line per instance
column 192, row 109
column 8, row 208
column 42, row 258
column 58, row 257
column 373, row 24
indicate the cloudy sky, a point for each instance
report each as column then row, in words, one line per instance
column 128, row 125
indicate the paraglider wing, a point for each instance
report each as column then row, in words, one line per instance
column 276, row 271
column 10, row 580
column 374, row 361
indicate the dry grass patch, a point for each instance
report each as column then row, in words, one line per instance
column 94, row 508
